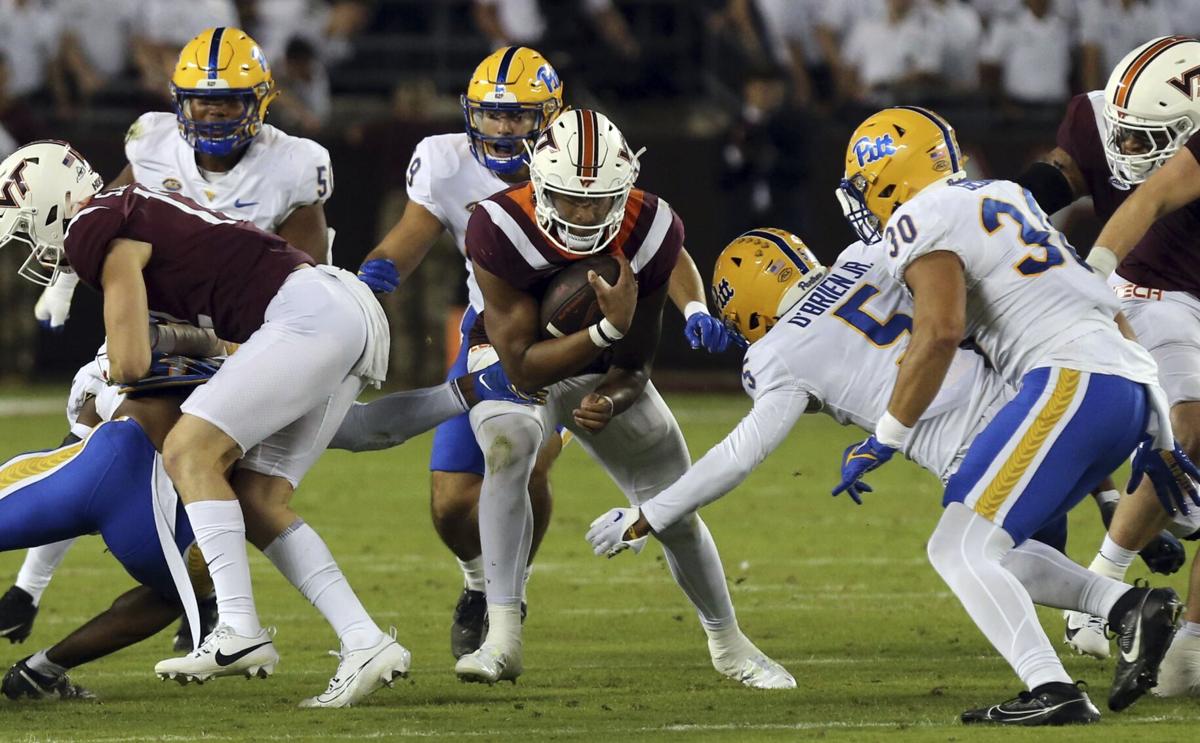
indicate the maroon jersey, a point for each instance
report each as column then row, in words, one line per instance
column 1168, row 255
column 205, row 268
column 503, row 238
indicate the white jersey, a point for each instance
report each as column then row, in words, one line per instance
column 837, row 350
column 278, row 173
column 1031, row 302
column 445, row 178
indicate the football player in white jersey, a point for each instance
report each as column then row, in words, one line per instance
column 982, row 262
column 512, row 95
column 217, row 150
column 831, row 341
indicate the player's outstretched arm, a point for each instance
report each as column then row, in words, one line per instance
column 402, row 249
column 126, row 309
column 686, row 290
column 1173, row 185
column 512, row 325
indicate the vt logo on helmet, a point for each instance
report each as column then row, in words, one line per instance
column 758, row 276
column 513, row 94
column 42, row 186
column 582, row 171
column 221, row 66
column 1151, row 107
column 891, row 156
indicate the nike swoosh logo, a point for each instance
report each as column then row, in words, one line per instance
column 239, row 204
column 1136, row 646
column 4, row 632
column 224, row 660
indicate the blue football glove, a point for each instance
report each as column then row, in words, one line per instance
column 611, row 534
column 1171, row 472
column 380, row 274
column 858, row 460
column 491, row 383
column 704, row 330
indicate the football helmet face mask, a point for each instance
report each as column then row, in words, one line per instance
column 513, row 94
column 582, row 155
column 759, row 276
column 42, row 185
column 1149, row 109
column 221, row 66
column 891, row 157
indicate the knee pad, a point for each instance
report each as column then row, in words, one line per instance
column 509, row 440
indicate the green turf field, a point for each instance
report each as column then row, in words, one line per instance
column 842, row 595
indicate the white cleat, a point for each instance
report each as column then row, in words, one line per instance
column 1086, row 634
column 1179, row 672
column 490, row 664
column 361, row 672
column 223, row 653
column 751, row 667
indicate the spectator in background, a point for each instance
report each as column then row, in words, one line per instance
column 329, row 26
column 93, row 49
column 1026, row 59
column 893, row 57
column 835, row 21
column 1110, row 28
column 961, row 29
column 303, row 104
column 782, row 33
column 163, row 28
column 29, row 32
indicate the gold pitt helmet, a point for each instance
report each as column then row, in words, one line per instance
column 222, row 62
column 759, row 276
column 892, row 156
column 518, row 82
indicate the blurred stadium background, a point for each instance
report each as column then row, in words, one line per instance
column 743, row 106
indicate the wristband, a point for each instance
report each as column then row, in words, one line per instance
column 891, row 432
column 604, row 333
column 1103, row 260
column 691, row 308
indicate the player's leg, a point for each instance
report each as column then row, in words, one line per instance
column 643, row 451
column 510, row 436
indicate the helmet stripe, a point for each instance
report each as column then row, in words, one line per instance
column 505, row 62
column 782, row 245
column 942, row 126
column 588, row 145
column 1143, row 60
column 214, row 52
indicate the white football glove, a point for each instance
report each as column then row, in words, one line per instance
column 54, row 306
column 610, row 534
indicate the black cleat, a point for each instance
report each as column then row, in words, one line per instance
column 17, row 612
column 208, row 622
column 1144, row 634
column 1049, row 704
column 22, row 681
column 466, row 631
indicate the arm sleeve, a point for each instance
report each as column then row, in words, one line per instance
column 419, row 180
column 776, row 409
column 393, row 419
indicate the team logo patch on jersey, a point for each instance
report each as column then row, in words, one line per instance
column 868, row 150
column 172, row 184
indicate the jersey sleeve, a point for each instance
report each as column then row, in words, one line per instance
column 1079, row 114
column 90, row 233
column 313, row 174
column 419, row 179
column 778, row 403
column 490, row 249
column 914, row 230
column 144, row 142
column 657, row 271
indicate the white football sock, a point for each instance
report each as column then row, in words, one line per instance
column 510, row 443
column 966, row 550
column 504, row 625
column 39, row 663
column 39, row 566
column 472, row 571
column 525, row 582
column 1189, row 629
column 303, row 558
column 696, row 566
column 1108, row 496
column 221, row 535
column 1112, row 560
column 1053, row 579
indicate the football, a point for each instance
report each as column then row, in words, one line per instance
column 569, row 304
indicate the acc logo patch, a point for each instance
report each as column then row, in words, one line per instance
column 172, row 184
column 869, row 150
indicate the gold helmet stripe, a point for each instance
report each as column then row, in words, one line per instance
column 214, row 52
